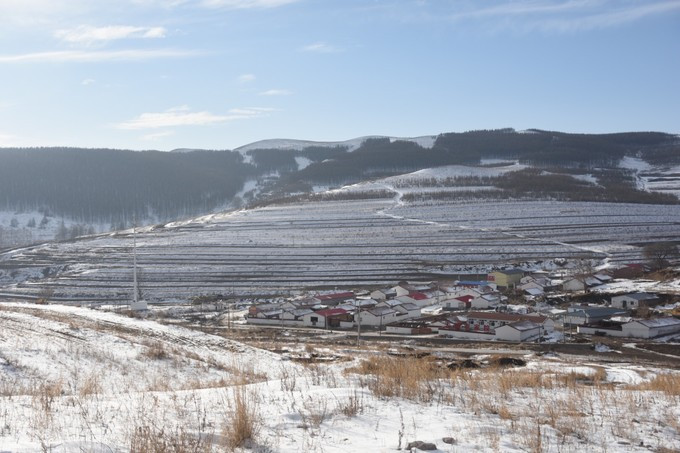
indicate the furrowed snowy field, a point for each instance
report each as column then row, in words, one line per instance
column 75, row 380
column 345, row 244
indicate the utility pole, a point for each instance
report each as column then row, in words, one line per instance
column 359, row 326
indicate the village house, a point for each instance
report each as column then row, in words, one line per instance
column 634, row 301
column 296, row 314
column 407, row 310
column 637, row 328
column 519, row 331
column 411, row 327
column 458, row 303
column 507, row 278
column 651, row 328
column 578, row 315
column 376, row 317
column 328, row 318
column 383, row 294
column 334, row 298
column 628, row 271
column 492, row 320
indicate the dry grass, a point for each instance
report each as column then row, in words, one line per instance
column 155, row 350
column 410, row 378
column 245, row 420
column 151, row 439
column 667, row 383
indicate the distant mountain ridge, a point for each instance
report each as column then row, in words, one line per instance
column 117, row 187
column 426, row 141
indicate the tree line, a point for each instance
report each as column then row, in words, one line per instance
column 116, row 186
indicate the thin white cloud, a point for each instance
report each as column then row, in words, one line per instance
column 564, row 15
column 276, row 93
column 182, row 116
column 246, row 4
column 611, row 18
column 80, row 56
column 320, row 47
column 86, row 34
column 87, row 82
column 157, row 136
column 245, row 78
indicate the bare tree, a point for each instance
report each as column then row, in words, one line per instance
column 582, row 271
column 660, row 254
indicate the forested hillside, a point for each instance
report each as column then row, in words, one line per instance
column 115, row 186
column 381, row 157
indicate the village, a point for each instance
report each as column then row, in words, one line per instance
column 510, row 305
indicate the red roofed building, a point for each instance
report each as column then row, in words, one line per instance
column 415, row 295
column 330, row 317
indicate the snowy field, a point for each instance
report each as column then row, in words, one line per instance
column 654, row 178
column 344, row 244
column 79, row 380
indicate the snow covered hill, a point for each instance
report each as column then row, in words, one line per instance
column 426, row 141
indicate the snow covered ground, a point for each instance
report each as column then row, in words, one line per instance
column 344, row 244
column 74, row 379
column 654, row 178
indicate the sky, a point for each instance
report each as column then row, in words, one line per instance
column 218, row 74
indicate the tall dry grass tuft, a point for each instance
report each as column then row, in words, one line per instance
column 151, row 439
column 245, row 421
column 667, row 383
column 410, row 378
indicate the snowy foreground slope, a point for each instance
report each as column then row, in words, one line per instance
column 74, row 380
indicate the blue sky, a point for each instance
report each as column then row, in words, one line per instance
column 153, row 74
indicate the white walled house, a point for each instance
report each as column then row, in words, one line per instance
column 400, row 290
column 408, row 310
column 326, row 318
column 573, row 285
column 531, row 285
column 633, row 301
column 383, row 294
column 376, row 317
column 651, row 328
column 583, row 314
column 485, row 301
column 518, row 331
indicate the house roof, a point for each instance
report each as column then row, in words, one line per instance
column 335, row 296
column 641, row 296
column 381, row 311
column 534, row 291
column 415, row 295
column 269, row 313
column 523, row 326
column 409, row 306
column 513, row 271
column 585, row 311
column 659, row 322
column 494, row 316
column 331, row 312
column 465, row 298
column 471, row 283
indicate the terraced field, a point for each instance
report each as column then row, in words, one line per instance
column 344, row 244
